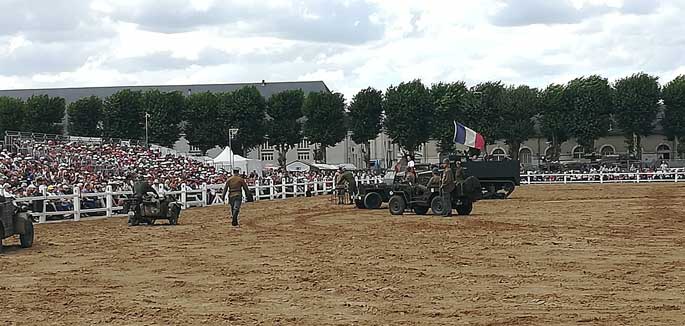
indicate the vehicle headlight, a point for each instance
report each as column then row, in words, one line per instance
column 391, row 193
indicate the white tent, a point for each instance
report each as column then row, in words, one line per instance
column 246, row 165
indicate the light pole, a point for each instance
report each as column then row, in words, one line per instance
column 231, row 133
column 147, row 115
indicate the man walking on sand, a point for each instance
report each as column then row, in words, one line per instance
column 235, row 186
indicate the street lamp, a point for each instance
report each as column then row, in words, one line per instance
column 147, row 115
column 231, row 133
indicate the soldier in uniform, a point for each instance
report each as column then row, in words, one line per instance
column 446, row 187
column 410, row 176
column 459, row 173
column 141, row 188
column 347, row 178
column 235, row 186
column 434, row 181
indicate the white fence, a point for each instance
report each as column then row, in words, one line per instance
column 642, row 177
column 206, row 195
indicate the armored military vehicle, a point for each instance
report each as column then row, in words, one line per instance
column 498, row 179
column 15, row 220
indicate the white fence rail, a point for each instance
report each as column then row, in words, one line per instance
column 601, row 178
column 74, row 206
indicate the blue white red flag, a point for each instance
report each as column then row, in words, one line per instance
column 468, row 137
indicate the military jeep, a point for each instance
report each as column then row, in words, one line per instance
column 149, row 209
column 420, row 199
column 15, row 220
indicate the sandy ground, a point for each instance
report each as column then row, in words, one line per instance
column 551, row 255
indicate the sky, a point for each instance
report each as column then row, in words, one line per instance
column 349, row 44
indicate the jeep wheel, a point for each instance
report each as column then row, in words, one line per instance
column 373, row 200
column 437, row 206
column 397, row 205
column 26, row 239
column 465, row 208
column 421, row 210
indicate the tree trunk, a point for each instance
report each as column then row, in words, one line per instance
column 514, row 147
column 638, row 147
column 282, row 155
column 367, row 154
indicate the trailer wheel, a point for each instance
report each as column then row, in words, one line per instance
column 397, row 205
column 373, row 200
column 437, row 206
column 26, row 239
column 465, row 208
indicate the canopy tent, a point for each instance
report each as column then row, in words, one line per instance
column 245, row 165
column 301, row 166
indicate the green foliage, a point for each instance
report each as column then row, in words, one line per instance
column 44, row 114
column 482, row 110
column 85, row 116
column 123, row 116
column 203, row 128
column 325, row 119
column 244, row 109
column 283, row 127
column 554, row 117
column 673, row 95
column 449, row 101
column 589, row 101
column 166, row 112
column 636, row 104
column 521, row 105
column 12, row 112
column 364, row 117
column 408, row 114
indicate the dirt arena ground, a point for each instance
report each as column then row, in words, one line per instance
column 551, row 255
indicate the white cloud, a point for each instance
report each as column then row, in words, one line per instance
column 350, row 44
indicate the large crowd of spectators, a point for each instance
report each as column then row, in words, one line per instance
column 662, row 171
column 56, row 168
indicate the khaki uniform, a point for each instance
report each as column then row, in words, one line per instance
column 235, row 186
column 434, row 182
column 447, row 186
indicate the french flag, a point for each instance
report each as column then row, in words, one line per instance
column 468, row 137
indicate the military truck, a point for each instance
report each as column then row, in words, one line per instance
column 498, row 179
column 15, row 220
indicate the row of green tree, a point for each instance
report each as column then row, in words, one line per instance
column 411, row 113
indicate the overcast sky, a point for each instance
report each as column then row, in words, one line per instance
column 348, row 44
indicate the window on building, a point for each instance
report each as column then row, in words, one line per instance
column 526, row 156
column 303, row 156
column 267, row 156
column 578, row 152
column 606, row 150
column 499, row 154
column 663, row 152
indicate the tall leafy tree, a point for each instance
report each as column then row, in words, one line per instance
column 482, row 110
column 589, row 100
column 325, row 120
column 85, row 115
column 44, row 114
column 166, row 113
column 636, row 104
column 521, row 105
column 408, row 111
column 203, row 128
column 284, row 127
column 123, row 116
column 12, row 112
column 448, row 101
column 673, row 95
column 245, row 110
column 365, row 118
column 554, row 117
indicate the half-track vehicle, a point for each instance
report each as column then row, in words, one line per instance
column 15, row 221
column 498, row 179
column 151, row 208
